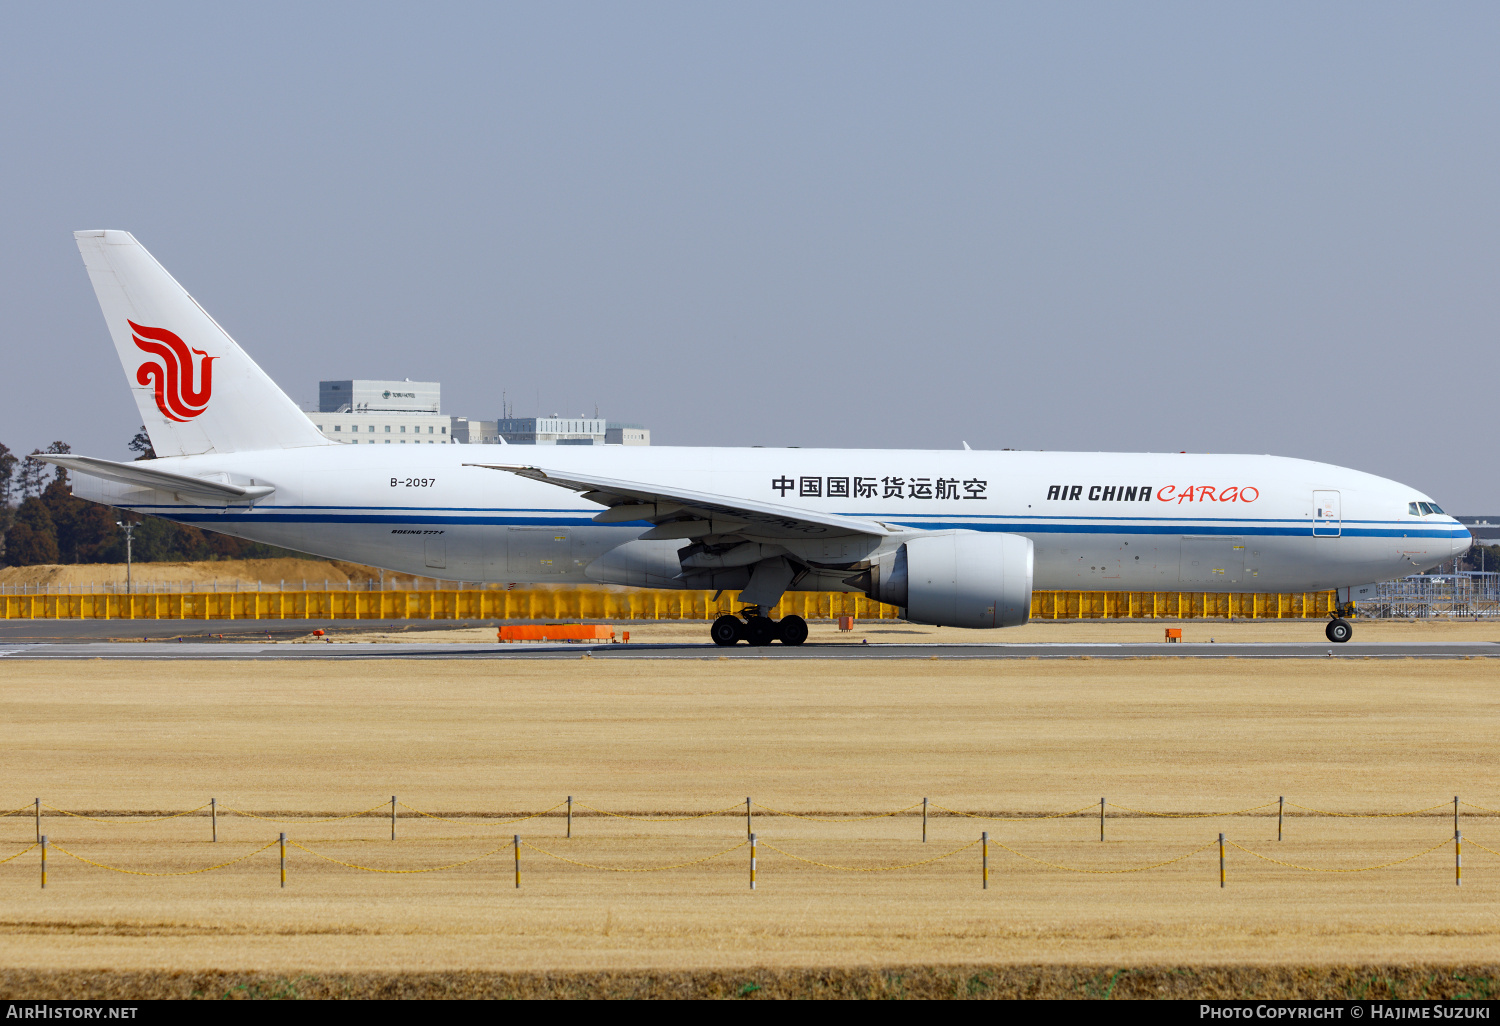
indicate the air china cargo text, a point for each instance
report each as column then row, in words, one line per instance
column 1143, row 493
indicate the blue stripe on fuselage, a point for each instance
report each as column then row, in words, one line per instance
column 1000, row 522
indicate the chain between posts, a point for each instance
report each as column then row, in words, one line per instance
column 38, row 844
column 330, row 819
column 1470, row 840
column 1001, row 819
column 844, row 819
column 1369, row 815
column 133, row 872
column 1358, row 869
column 647, row 869
column 872, row 869
column 660, row 819
column 1102, row 872
column 119, row 819
column 503, row 822
column 398, row 872
column 1190, row 815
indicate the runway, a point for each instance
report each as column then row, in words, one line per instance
column 160, row 650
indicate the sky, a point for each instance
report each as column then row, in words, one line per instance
column 1064, row 226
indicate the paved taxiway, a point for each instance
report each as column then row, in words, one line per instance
column 417, row 650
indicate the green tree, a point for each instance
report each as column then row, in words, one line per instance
column 32, row 475
column 1481, row 557
column 85, row 531
column 31, row 538
column 8, row 463
column 141, row 443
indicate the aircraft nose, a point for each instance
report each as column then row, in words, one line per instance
column 1461, row 543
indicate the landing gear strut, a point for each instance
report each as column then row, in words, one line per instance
column 757, row 629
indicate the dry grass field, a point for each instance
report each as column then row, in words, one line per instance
column 1005, row 739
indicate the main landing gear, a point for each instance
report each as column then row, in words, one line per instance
column 757, row 629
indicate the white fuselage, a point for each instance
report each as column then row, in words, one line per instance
column 1099, row 521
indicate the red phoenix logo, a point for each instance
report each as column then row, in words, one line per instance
column 173, row 378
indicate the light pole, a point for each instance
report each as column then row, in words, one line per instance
column 129, row 530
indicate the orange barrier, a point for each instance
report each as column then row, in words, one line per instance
column 558, row 632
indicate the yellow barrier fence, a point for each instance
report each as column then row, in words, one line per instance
column 642, row 604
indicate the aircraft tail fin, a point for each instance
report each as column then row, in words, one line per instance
column 197, row 390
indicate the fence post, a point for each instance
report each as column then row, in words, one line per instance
column 39, row 821
column 283, row 860
column 748, row 825
column 570, row 815
column 984, row 860
column 43, row 841
column 924, row 820
column 1280, row 812
column 517, row 842
column 393, row 817
column 213, row 816
column 1221, row 861
column 1101, row 819
column 1458, row 858
column 752, row 862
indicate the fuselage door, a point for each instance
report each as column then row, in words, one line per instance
column 1327, row 523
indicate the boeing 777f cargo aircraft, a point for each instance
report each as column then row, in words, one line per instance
column 957, row 538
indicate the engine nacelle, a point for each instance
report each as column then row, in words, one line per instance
column 958, row 579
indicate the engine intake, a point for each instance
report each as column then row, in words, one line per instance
column 956, row 579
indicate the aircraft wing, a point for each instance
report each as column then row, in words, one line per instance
column 681, row 512
column 146, row 477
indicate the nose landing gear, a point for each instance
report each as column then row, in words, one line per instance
column 757, row 629
column 1339, row 630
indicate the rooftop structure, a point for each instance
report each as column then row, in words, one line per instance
column 361, row 396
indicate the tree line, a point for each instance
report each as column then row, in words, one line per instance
column 41, row 521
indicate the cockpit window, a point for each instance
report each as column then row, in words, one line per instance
column 1411, row 509
column 1425, row 507
column 1436, row 508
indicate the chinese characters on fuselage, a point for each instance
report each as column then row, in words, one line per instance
column 880, row 487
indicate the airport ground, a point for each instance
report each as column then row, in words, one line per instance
column 479, row 743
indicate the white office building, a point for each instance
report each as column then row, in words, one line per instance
column 382, row 412
column 555, row 430
column 406, row 412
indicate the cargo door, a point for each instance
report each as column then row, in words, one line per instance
column 1327, row 522
column 538, row 551
column 1212, row 562
column 437, row 553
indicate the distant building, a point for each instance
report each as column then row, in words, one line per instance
column 617, row 433
column 409, row 412
column 382, row 412
column 557, row 430
column 1484, row 529
column 473, row 432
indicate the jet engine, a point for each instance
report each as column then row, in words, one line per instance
column 955, row 579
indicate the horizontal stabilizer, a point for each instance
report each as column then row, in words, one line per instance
column 162, row 480
column 725, row 514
